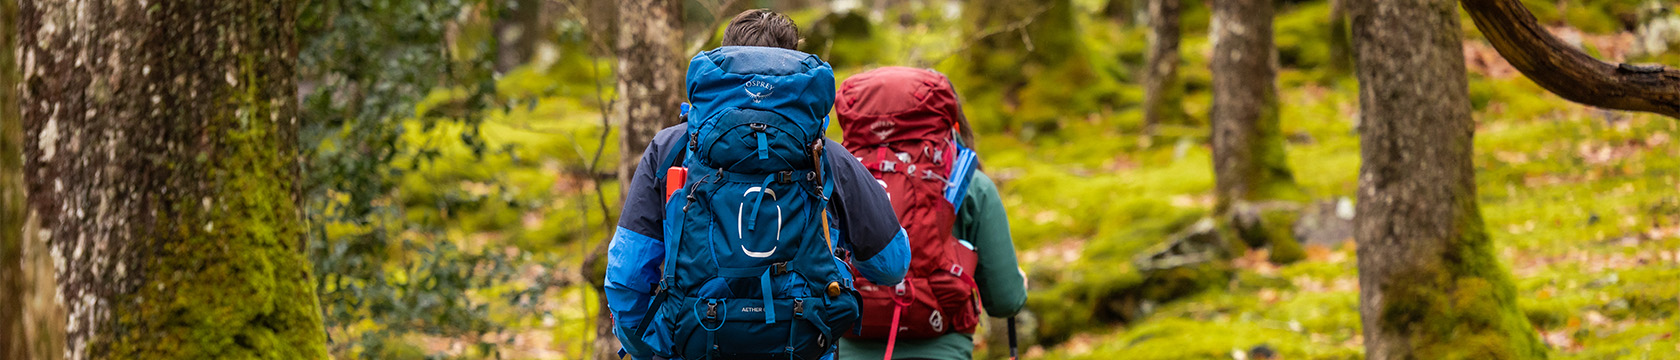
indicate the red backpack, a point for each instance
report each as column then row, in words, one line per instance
column 901, row 123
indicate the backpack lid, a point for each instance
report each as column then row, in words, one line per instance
column 793, row 84
column 895, row 103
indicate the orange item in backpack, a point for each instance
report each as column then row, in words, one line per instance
column 674, row 178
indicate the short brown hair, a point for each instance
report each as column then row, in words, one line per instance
column 762, row 27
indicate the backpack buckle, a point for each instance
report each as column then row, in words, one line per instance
column 956, row 269
column 798, row 307
column 711, row 309
column 784, row 177
column 779, row 268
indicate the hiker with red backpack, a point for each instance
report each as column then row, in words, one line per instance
column 734, row 227
column 907, row 127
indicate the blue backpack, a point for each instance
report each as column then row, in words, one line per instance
column 750, row 271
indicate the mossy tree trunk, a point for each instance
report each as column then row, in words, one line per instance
column 1248, row 158
column 649, row 90
column 162, row 164
column 1162, row 90
column 1430, row 284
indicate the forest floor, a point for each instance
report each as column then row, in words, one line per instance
column 1582, row 205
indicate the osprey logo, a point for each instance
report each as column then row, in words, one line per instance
column 758, row 90
column 883, row 129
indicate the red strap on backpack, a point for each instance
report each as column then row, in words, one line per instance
column 900, row 301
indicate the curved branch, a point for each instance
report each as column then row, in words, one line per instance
column 1569, row 72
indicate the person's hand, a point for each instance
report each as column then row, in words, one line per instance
column 1026, row 283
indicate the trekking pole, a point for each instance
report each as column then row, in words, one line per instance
column 1012, row 353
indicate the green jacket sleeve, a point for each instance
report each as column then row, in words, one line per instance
column 983, row 222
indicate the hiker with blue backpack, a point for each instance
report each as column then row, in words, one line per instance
column 735, row 226
column 907, row 126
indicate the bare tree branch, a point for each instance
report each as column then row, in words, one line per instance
column 1018, row 25
column 1569, row 72
column 718, row 17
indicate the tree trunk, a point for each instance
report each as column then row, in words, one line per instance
column 1341, row 48
column 163, row 165
column 1430, row 284
column 519, row 28
column 649, row 91
column 1569, row 72
column 31, row 325
column 13, row 344
column 1248, row 157
column 1162, row 91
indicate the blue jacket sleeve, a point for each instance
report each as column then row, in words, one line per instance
column 867, row 223
column 637, row 248
column 888, row 266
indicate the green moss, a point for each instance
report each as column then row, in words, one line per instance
column 1303, row 40
column 228, row 278
column 1279, row 227
column 1464, row 309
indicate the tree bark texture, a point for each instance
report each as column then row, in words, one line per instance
column 31, row 324
column 650, row 78
column 1162, row 90
column 162, row 162
column 1249, row 161
column 1430, row 284
column 1568, row 71
column 519, row 28
column 13, row 343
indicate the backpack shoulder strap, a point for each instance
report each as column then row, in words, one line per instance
column 676, row 154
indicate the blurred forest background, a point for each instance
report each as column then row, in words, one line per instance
column 466, row 232
column 462, row 164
